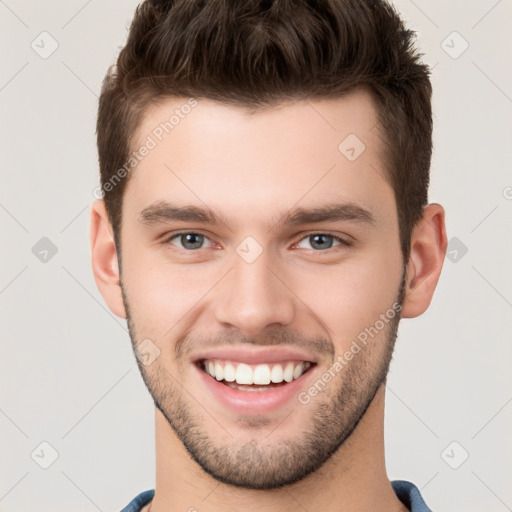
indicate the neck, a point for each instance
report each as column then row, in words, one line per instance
column 354, row 478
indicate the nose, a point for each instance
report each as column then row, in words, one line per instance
column 254, row 297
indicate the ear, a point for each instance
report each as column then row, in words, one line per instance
column 428, row 249
column 104, row 259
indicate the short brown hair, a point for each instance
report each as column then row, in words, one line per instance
column 257, row 53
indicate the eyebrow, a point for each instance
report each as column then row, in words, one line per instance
column 163, row 211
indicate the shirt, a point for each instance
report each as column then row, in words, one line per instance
column 405, row 491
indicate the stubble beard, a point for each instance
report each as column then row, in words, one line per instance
column 263, row 464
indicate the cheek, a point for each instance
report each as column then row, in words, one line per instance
column 161, row 294
column 351, row 296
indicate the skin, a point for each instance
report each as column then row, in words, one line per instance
column 251, row 169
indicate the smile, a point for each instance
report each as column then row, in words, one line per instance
column 256, row 377
column 253, row 388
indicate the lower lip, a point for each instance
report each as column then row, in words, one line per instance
column 255, row 402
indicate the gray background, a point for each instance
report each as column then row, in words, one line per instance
column 68, row 375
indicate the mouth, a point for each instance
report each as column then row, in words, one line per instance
column 253, row 389
column 254, row 377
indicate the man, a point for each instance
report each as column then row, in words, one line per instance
column 263, row 229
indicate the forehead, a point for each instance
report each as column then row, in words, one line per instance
column 321, row 117
column 205, row 151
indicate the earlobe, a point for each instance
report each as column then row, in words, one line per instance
column 104, row 259
column 428, row 249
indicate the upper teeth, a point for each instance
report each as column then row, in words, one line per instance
column 255, row 374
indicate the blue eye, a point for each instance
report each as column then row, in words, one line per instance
column 323, row 241
column 190, row 241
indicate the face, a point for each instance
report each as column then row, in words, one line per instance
column 262, row 276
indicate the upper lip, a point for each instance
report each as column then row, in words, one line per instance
column 254, row 355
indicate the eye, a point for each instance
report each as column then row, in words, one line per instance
column 323, row 241
column 190, row 241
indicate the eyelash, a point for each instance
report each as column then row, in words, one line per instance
column 341, row 241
